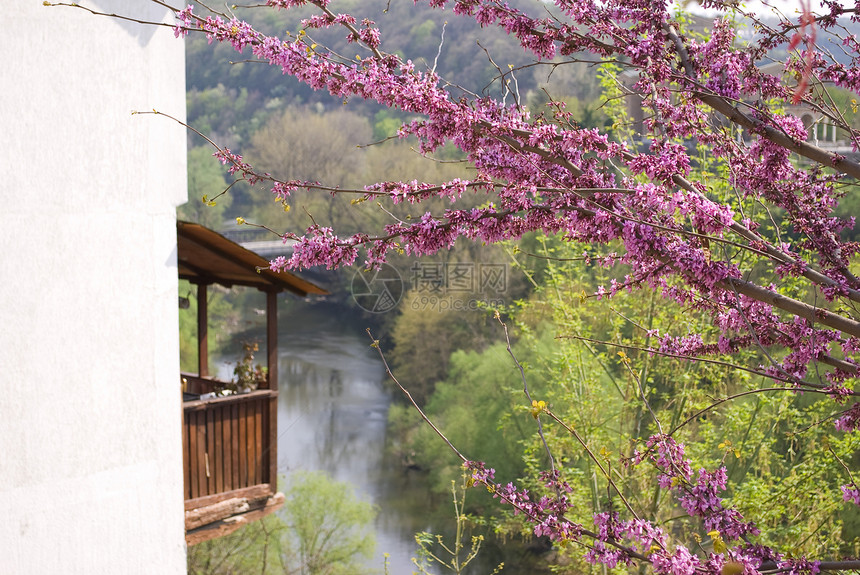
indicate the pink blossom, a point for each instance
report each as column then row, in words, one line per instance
column 851, row 493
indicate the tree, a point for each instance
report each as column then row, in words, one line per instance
column 323, row 529
column 708, row 193
column 328, row 526
column 205, row 181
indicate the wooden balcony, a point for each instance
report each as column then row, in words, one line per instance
column 229, row 443
column 229, row 448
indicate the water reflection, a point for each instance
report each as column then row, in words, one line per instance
column 332, row 413
column 332, row 407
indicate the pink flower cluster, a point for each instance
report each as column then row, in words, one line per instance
column 547, row 514
column 614, row 541
column 850, row 419
column 700, row 496
column 525, row 159
column 851, row 493
column 184, row 16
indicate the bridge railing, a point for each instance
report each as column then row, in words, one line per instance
column 248, row 234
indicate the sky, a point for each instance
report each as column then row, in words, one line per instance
column 787, row 7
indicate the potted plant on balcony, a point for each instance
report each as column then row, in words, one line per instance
column 246, row 375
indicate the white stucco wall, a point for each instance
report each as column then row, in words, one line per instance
column 90, row 444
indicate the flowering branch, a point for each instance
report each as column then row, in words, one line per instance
column 679, row 222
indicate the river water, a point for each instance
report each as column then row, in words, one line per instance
column 332, row 414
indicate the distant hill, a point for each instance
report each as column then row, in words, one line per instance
column 411, row 30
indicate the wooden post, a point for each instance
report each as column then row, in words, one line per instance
column 202, row 332
column 272, row 338
column 272, row 363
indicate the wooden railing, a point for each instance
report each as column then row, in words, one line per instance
column 198, row 385
column 229, row 443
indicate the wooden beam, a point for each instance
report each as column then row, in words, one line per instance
column 197, row 238
column 216, row 512
column 202, row 332
column 272, row 338
column 232, row 523
column 271, row 456
column 186, row 457
column 201, row 404
column 252, row 493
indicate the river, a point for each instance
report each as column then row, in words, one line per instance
column 332, row 414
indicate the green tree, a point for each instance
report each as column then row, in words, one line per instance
column 224, row 319
column 595, row 369
column 452, row 554
column 306, row 144
column 323, row 529
column 328, row 528
column 205, row 182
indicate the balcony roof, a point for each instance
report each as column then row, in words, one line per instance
column 205, row 256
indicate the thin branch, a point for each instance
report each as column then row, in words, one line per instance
column 733, row 397
column 572, row 431
column 526, row 390
column 794, row 380
column 388, row 372
column 734, row 114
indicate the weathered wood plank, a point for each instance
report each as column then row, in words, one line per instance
column 227, row 447
column 235, row 522
column 210, row 452
column 272, row 447
column 234, row 425
column 243, row 446
column 199, row 468
column 186, row 458
column 201, row 516
column 218, row 464
column 203, row 404
column 258, row 442
column 252, row 493
column 250, row 444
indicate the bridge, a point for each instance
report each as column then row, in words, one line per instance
column 260, row 242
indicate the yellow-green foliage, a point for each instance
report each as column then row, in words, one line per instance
column 322, row 529
column 586, row 358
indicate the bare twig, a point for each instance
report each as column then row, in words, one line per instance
column 375, row 344
column 526, row 390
